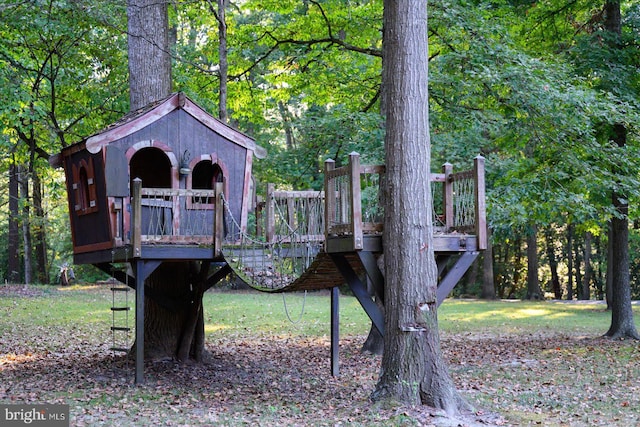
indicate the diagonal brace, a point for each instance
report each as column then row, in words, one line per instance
column 454, row 275
column 360, row 291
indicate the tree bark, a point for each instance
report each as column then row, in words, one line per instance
column 224, row 66
column 588, row 271
column 533, row 282
column 622, row 324
column 39, row 231
column 173, row 314
column 553, row 263
column 569, row 262
column 149, row 57
column 413, row 369
column 23, row 182
column 13, row 264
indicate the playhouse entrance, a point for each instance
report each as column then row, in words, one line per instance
column 153, row 167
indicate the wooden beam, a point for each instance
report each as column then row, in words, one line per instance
column 454, row 275
column 360, row 291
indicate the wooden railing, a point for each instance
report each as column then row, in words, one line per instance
column 354, row 200
column 299, row 213
column 176, row 216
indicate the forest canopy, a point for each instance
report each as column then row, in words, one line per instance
column 538, row 88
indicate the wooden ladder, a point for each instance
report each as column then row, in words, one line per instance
column 120, row 330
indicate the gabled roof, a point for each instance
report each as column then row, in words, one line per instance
column 139, row 119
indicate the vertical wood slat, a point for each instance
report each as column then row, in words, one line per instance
column 270, row 221
column 329, row 198
column 356, row 201
column 447, row 196
column 218, row 225
column 481, row 210
column 291, row 213
column 136, row 214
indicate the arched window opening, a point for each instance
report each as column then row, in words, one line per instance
column 84, row 187
column 152, row 166
column 83, row 190
column 204, row 176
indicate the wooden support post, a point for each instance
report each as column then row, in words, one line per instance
column 481, row 210
column 136, row 218
column 218, row 224
column 447, row 196
column 335, row 331
column 270, row 221
column 355, row 200
column 140, row 277
column 259, row 216
column 359, row 291
column 329, row 199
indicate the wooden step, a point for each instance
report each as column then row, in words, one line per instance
column 120, row 289
column 120, row 328
column 120, row 308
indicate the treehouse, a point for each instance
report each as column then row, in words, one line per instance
column 171, row 183
column 145, row 187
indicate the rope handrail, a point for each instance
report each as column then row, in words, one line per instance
column 262, row 264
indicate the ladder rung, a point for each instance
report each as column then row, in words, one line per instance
column 120, row 308
column 120, row 328
column 120, row 289
column 121, row 349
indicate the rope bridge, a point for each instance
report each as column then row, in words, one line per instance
column 294, row 234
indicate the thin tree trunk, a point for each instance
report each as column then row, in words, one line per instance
column 577, row 257
column 23, row 181
column 533, row 282
column 517, row 265
column 39, row 231
column 570, row 262
column 609, row 278
column 13, row 264
column 588, row 272
column 553, row 263
column 224, row 66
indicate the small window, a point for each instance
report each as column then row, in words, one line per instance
column 204, row 176
column 84, row 188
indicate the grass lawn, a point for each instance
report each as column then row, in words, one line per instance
column 532, row 363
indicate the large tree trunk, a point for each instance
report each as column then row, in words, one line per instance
column 149, row 58
column 13, row 264
column 533, row 282
column 413, row 369
column 173, row 316
column 622, row 325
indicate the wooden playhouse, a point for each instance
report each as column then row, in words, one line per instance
column 179, row 153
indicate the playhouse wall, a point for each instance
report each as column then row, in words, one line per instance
column 90, row 231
